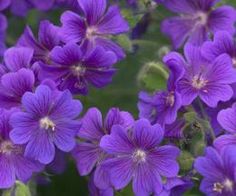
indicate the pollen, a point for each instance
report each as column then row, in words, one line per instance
column 218, row 187
column 198, row 82
column 139, row 156
column 78, row 70
column 202, row 18
column 170, row 99
column 7, row 147
column 46, row 123
column 91, row 31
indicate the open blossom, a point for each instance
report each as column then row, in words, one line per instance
column 88, row 153
column 48, row 38
column 223, row 43
column 162, row 106
column 137, row 156
column 48, row 121
column 218, row 171
column 95, row 27
column 196, row 20
column 209, row 80
column 74, row 70
column 13, row 165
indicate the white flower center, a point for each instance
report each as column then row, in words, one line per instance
column 198, row 82
column 139, row 156
column 78, row 70
column 46, row 123
column 202, row 18
column 7, row 147
column 170, row 99
column 227, row 185
column 90, row 32
column 234, row 62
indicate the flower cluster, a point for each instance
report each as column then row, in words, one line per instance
column 185, row 134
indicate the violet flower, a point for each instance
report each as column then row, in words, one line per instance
column 95, row 27
column 196, row 21
column 137, row 156
column 48, row 121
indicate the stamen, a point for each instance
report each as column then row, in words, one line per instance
column 218, row 187
column 46, row 123
column 139, row 156
column 170, row 99
column 198, row 82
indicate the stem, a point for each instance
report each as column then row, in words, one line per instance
column 205, row 117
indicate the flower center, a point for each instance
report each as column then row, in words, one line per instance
column 202, row 18
column 90, row 32
column 46, row 123
column 170, row 99
column 7, row 147
column 198, row 82
column 139, row 156
column 227, row 184
column 78, row 70
column 234, row 62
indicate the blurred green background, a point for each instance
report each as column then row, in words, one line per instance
column 122, row 93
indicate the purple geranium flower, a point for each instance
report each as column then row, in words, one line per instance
column 197, row 20
column 88, row 154
column 210, row 80
column 226, row 119
column 138, row 156
column 94, row 28
column 223, row 43
column 48, row 38
column 13, row 165
column 74, row 70
column 162, row 107
column 218, row 170
column 48, row 121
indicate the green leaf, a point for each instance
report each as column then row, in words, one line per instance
column 22, row 189
column 125, row 42
column 153, row 77
column 185, row 160
column 132, row 18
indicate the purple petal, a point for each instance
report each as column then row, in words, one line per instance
column 121, row 171
column 7, row 174
column 17, row 58
column 226, row 118
column 117, row 142
column 177, row 29
column 48, row 35
column 113, row 22
column 73, row 27
column 68, row 55
column 92, row 127
column 101, row 177
column 164, row 159
column 223, row 43
column 224, row 141
column 40, row 147
column 86, row 155
column 222, row 18
column 43, row 4
column 147, row 136
column 93, row 10
column 4, row 4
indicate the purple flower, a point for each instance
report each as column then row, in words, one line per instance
column 223, row 43
column 4, row 4
column 13, row 165
column 88, row 154
column 94, row 28
column 226, row 119
column 48, row 121
column 197, row 20
column 20, row 7
column 218, row 170
column 137, row 156
column 48, row 38
column 162, row 107
column 210, row 80
column 74, row 70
